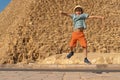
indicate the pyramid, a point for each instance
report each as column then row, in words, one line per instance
column 33, row 30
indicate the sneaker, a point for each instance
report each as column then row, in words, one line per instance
column 87, row 61
column 70, row 55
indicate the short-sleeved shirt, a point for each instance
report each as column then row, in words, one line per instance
column 79, row 20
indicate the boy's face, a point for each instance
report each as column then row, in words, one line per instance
column 78, row 11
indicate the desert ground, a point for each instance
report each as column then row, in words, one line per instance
column 22, row 75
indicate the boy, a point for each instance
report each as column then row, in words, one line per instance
column 79, row 26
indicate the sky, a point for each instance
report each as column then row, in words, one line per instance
column 3, row 4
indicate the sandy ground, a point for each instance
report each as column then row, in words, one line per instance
column 78, row 58
column 40, row 75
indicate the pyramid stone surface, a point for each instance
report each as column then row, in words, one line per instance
column 32, row 30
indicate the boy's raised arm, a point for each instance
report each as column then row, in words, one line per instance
column 64, row 13
column 98, row 17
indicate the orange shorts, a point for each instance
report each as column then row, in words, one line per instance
column 78, row 36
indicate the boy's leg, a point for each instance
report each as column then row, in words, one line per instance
column 85, row 52
column 83, row 43
column 72, row 49
column 71, row 53
column 72, row 45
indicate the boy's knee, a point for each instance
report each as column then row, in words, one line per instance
column 73, row 45
column 85, row 46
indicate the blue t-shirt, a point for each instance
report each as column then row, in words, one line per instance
column 79, row 20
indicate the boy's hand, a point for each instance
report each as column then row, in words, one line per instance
column 60, row 12
column 103, row 23
column 102, row 18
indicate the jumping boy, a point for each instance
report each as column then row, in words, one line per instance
column 79, row 26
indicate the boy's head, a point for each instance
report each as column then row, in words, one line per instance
column 78, row 9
